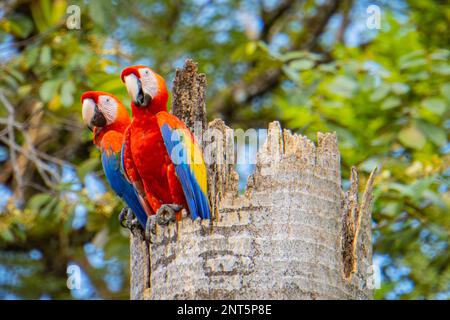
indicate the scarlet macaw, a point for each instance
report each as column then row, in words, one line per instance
column 107, row 117
column 166, row 181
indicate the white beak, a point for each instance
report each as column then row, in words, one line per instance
column 133, row 86
column 88, row 110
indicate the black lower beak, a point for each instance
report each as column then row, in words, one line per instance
column 142, row 99
column 98, row 120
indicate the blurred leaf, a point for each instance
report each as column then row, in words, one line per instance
column 46, row 56
column 20, row 26
column 412, row 137
column 292, row 55
column 112, row 85
column 38, row 201
column 412, row 60
column 405, row 190
column 32, row 56
column 413, row 63
column 434, row 133
column 445, row 90
column 7, row 235
column 58, row 10
column 48, row 208
column 54, row 103
column 24, row 90
column 97, row 12
column 67, row 91
column 400, row 88
column 370, row 164
column 380, row 93
column 250, row 48
column 291, row 73
column 418, row 76
column 301, row 64
column 440, row 54
column 441, row 68
column 38, row 16
column 87, row 166
column 435, row 105
column 390, row 103
column 342, row 86
column 48, row 89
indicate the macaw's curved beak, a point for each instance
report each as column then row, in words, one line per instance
column 135, row 90
column 98, row 120
column 142, row 99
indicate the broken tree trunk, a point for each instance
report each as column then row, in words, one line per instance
column 293, row 234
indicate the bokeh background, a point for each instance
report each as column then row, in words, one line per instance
column 322, row 65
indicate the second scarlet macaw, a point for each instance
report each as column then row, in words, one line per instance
column 161, row 156
column 108, row 119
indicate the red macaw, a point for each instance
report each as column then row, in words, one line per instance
column 165, row 180
column 107, row 117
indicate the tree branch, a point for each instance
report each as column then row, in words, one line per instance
column 11, row 141
column 271, row 17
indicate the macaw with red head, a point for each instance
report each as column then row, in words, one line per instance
column 161, row 156
column 108, row 119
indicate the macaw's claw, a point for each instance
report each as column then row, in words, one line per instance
column 167, row 213
column 123, row 217
column 128, row 220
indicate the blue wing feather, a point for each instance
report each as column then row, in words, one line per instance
column 112, row 167
column 196, row 199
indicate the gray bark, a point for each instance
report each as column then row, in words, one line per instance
column 293, row 234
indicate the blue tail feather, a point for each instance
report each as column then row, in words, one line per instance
column 121, row 186
column 196, row 200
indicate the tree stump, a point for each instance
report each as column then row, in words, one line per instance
column 293, row 234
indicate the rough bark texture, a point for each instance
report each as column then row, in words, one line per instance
column 188, row 95
column 293, row 234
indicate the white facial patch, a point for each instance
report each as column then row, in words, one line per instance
column 108, row 107
column 149, row 82
column 131, row 82
column 88, row 110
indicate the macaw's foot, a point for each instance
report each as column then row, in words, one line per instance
column 166, row 213
column 128, row 220
column 123, row 217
